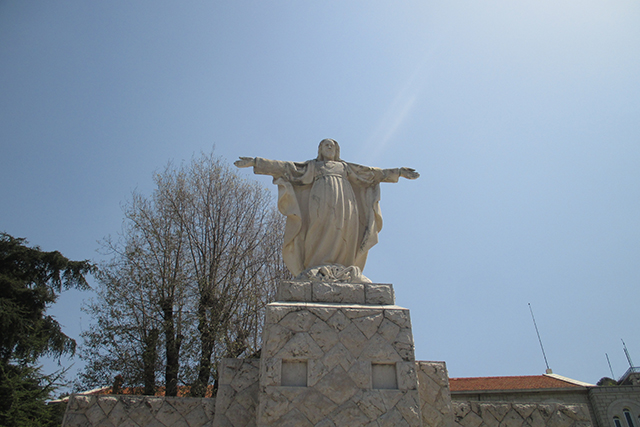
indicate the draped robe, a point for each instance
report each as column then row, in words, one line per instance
column 332, row 209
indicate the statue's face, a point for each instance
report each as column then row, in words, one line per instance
column 328, row 149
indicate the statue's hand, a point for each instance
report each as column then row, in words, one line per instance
column 409, row 173
column 245, row 162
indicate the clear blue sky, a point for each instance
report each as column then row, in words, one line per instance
column 522, row 117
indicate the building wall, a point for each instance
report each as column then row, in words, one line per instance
column 595, row 406
column 238, row 395
column 608, row 402
column 512, row 414
column 143, row 411
column 577, row 395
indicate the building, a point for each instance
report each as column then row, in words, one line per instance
column 547, row 399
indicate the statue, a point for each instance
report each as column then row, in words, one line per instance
column 332, row 210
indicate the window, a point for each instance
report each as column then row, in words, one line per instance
column 616, row 421
column 627, row 416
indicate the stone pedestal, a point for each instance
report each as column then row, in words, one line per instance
column 334, row 355
column 337, row 354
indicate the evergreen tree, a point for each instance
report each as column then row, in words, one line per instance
column 30, row 281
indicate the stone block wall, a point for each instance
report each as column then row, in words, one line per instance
column 348, row 293
column 572, row 396
column 237, row 398
column 138, row 411
column 347, row 364
column 335, row 355
column 509, row 414
column 608, row 402
column 435, row 396
column 238, row 393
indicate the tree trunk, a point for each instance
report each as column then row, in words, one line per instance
column 207, row 340
column 172, row 349
column 150, row 357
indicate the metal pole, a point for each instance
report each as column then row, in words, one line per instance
column 549, row 371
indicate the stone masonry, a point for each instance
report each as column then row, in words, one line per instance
column 608, row 402
column 435, row 396
column 237, row 398
column 333, row 354
column 138, row 411
column 510, row 414
column 342, row 355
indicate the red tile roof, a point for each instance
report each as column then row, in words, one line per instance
column 529, row 382
column 524, row 382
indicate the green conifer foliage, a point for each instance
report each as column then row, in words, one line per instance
column 30, row 281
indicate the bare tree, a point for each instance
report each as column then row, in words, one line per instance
column 123, row 338
column 160, row 256
column 203, row 254
column 229, row 224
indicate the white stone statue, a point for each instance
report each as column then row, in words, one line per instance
column 332, row 210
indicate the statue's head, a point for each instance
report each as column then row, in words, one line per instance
column 329, row 149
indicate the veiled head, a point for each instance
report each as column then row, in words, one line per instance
column 329, row 149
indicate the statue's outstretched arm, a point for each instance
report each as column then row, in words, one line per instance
column 409, row 173
column 245, row 162
column 275, row 168
column 368, row 175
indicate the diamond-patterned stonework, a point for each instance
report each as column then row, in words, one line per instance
column 138, row 411
column 337, row 342
column 435, row 395
column 339, row 330
column 237, row 398
column 510, row 414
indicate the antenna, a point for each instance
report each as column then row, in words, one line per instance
column 626, row 353
column 609, row 362
column 549, row 371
